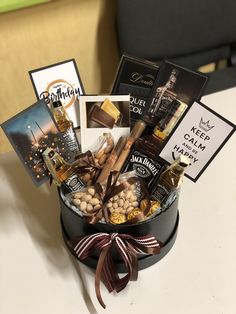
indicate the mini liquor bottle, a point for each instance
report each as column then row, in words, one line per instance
column 163, row 103
column 166, row 187
column 65, row 126
column 63, row 173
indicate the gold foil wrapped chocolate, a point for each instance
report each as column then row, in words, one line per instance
column 117, row 218
column 134, row 213
column 155, row 205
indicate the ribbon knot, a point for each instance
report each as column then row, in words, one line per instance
column 127, row 247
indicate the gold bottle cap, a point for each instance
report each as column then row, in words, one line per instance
column 184, row 161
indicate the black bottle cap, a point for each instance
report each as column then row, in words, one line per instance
column 56, row 103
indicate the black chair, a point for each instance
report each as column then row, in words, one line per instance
column 191, row 33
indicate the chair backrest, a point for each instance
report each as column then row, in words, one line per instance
column 190, row 32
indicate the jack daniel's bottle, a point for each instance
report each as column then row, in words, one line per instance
column 144, row 157
column 63, row 173
column 166, row 187
column 164, row 103
column 65, row 126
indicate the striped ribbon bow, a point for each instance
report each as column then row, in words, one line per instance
column 128, row 248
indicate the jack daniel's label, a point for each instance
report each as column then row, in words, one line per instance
column 144, row 166
column 73, row 183
column 160, row 193
column 71, row 140
column 164, row 195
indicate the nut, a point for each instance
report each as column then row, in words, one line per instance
column 86, row 197
column 135, row 204
column 91, row 191
column 83, row 205
column 129, row 194
column 78, row 194
column 94, row 201
column 76, row 201
column 89, row 208
column 109, row 204
column 121, row 202
column 115, row 205
column 97, row 207
column 126, row 204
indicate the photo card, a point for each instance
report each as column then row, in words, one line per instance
column 200, row 135
column 103, row 114
column 59, row 81
column 135, row 77
column 30, row 132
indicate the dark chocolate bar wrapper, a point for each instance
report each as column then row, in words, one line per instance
column 101, row 117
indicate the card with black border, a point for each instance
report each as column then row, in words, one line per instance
column 59, row 81
column 200, row 135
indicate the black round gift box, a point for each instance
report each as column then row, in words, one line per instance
column 163, row 226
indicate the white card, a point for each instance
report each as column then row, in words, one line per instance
column 200, row 136
column 59, row 81
column 91, row 131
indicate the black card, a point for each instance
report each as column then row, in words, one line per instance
column 174, row 85
column 135, row 77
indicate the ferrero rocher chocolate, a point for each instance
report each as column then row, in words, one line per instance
column 117, row 218
column 155, row 205
column 134, row 213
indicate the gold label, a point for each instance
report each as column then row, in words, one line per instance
column 146, row 79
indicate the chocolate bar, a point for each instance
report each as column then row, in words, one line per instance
column 111, row 109
column 101, row 117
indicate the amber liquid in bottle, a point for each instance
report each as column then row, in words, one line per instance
column 65, row 126
column 170, row 181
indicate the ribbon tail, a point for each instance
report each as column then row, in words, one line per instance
column 134, row 263
column 110, row 273
column 132, row 275
column 98, row 274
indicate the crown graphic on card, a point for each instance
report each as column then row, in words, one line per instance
column 205, row 126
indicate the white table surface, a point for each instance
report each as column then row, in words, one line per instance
column 198, row 276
